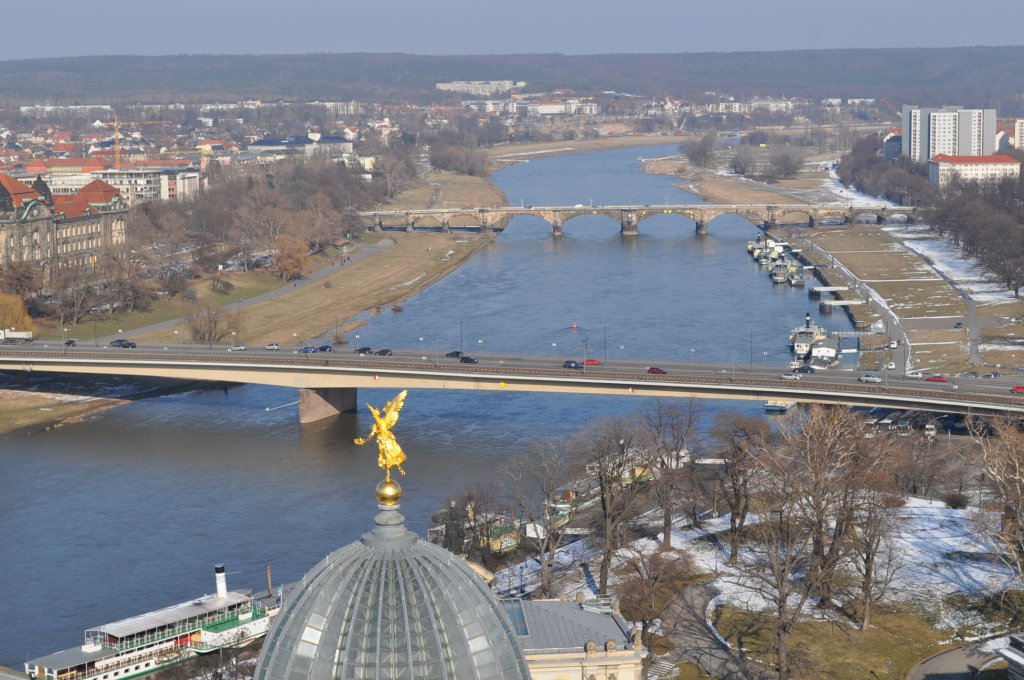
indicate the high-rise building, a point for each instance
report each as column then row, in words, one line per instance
column 1018, row 134
column 951, row 131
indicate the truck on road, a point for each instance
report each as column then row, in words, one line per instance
column 11, row 337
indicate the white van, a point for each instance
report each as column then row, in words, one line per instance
column 914, row 375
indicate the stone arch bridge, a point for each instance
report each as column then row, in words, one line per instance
column 630, row 216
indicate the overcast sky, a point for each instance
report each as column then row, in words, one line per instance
column 80, row 27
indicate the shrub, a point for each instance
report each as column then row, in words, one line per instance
column 956, row 501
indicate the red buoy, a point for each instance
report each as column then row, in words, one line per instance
column 574, row 325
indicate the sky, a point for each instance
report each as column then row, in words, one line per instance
column 434, row 27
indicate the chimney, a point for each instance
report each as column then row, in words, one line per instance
column 807, row 320
column 222, row 581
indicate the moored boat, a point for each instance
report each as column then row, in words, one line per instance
column 148, row 642
column 802, row 338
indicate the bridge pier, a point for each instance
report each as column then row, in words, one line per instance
column 629, row 223
column 446, row 227
column 410, row 225
column 810, row 222
column 324, row 402
column 556, row 228
column 701, row 226
column 485, row 223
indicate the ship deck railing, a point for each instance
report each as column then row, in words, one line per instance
column 235, row 621
column 181, row 629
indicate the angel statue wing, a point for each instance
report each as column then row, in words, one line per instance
column 393, row 408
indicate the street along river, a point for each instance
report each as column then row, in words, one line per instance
column 128, row 512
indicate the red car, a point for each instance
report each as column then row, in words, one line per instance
column 1019, row 389
column 937, row 378
column 657, row 371
column 592, row 362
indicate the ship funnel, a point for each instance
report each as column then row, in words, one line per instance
column 222, row 580
column 807, row 320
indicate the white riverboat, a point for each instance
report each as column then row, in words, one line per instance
column 148, row 642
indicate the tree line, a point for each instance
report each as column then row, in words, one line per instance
column 811, row 506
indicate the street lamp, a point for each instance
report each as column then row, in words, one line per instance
column 461, row 348
column 765, row 357
column 606, row 343
column 553, row 346
column 691, row 357
column 751, row 349
column 734, row 362
column 424, row 356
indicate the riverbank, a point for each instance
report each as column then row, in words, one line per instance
column 24, row 412
column 518, row 153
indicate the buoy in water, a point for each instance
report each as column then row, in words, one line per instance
column 574, row 326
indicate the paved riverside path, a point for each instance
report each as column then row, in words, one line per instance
column 694, row 641
column 961, row 663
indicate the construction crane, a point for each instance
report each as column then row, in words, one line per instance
column 116, row 124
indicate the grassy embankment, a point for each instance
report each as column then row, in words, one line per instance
column 382, row 280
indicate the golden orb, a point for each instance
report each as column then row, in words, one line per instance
column 389, row 492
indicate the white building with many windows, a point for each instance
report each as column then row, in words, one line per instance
column 942, row 169
column 952, row 131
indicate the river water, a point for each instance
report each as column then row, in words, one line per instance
column 129, row 512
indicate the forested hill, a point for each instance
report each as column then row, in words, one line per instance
column 975, row 76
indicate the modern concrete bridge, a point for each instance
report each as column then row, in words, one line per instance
column 328, row 383
column 630, row 216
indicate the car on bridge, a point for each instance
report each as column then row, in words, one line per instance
column 869, row 378
column 914, row 375
column 237, row 347
column 71, row 342
column 456, row 354
column 654, row 370
column 308, row 349
column 804, row 368
column 122, row 343
column 572, row 364
column 937, row 378
column 1019, row 389
column 384, row 352
column 271, row 347
column 591, row 362
column 364, row 350
column 790, row 375
column 324, row 348
column 992, row 375
column 468, row 360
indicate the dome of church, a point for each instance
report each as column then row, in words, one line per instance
column 391, row 606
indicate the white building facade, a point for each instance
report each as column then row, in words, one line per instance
column 951, row 131
column 943, row 169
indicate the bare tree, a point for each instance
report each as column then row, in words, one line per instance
column 780, row 549
column 614, row 461
column 999, row 453
column 213, row 324
column 670, row 439
column 539, row 492
column 647, row 582
column 742, row 439
column 743, row 162
column 874, row 554
column 700, row 151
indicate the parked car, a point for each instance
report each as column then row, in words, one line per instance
column 790, row 375
column 654, row 370
column 869, row 378
column 455, row 354
column 324, row 348
column 122, row 343
column 271, row 347
column 237, row 347
column 804, row 368
column 891, row 366
column 958, row 324
column 591, row 362
column 937, row 378
column 70, row 342
column 308, row 349
column 468, row 360
column 990, row 376
column 1019, row 389
column 364, row 350
column 572, row 364
column 384, row 352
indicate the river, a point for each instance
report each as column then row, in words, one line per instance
column 128, row 512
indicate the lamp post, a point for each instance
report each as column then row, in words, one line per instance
column 423, row 356
column 606, row 343
column 734, row 362
column 461, row 348
column 178, row 338
column 765, row 358
column 95, row 337
column 585, row 342
column 751, row 349
column 554, row 345
column 691, row 357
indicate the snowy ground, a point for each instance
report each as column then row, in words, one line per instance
column 940, row 551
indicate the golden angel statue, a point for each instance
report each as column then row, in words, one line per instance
column 390, row 454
